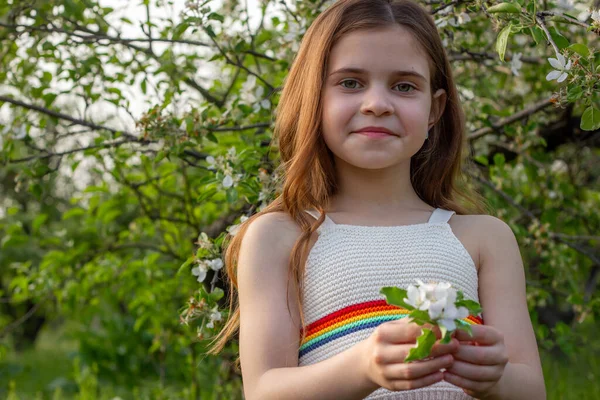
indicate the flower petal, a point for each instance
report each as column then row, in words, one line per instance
column 553, row 75
column 448, row 323
column 555, row 63
column 413, row 296
column 436, row 308
column 562, row 77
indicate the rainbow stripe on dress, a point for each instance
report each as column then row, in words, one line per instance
column 355, row 318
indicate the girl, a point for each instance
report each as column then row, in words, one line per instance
column 371, row 135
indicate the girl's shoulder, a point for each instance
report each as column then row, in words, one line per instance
column 276, row 226
column 477, row 232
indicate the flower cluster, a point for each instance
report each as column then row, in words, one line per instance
column 561, row 68
column 438, row 300
column 203, row 266
column 438, row 304
column 223, row 164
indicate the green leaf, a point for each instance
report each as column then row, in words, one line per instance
column 216, row 294
column 504, row 8
column 420, row 317
column 73, row 212
column 465, row 327
column 482, row 159
column 216, row 16
column 580, row 49
column 502, row 41
column 395, row 296
column 186, row 264
column 590, row 120
column 473, row 306
column 559, row 39
column 206, row 195
column 210, row 136
column 574, row 93
column 38, row 222
column 538, row 35
column 209, row 30
column 424, row 344
column 49, row 98
column 499, row 159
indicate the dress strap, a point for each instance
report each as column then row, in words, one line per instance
column 315, row 214
column 440, row 215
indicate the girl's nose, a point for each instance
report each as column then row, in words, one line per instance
column 376, row 101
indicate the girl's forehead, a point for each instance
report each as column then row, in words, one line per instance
column 379, row 50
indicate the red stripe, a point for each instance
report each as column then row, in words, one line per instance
column 352, row 314
column 345, row 310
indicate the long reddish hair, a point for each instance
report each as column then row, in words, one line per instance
column 307, row 168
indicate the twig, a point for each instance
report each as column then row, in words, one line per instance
column 65, row 117
column 568, row 18
column 534, row 108
column 12, row 326
column 540, row 20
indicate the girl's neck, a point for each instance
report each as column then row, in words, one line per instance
column 375, row 192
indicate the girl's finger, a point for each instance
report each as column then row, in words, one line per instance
column 398, row 331
column 480, row 355
column 396, row 353
column 482, row 334
column 478, row 373
column 437, row 376
column 466, row 383
column 418, row 369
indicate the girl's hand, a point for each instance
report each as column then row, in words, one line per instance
column 479, row 361
column 387, row 347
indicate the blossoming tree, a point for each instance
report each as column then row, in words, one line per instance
column 132, row 142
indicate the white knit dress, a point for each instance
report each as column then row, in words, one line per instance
column 347, row 267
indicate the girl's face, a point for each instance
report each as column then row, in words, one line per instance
column 378, row 78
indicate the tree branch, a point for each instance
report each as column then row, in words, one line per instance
column 534, row 108
column 66, row 117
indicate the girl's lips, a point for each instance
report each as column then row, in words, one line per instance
column 375, row 134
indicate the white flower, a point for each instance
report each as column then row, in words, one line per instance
column 21, row 133
column 463, row 18
column 439, row 301
column 451, row 313
column 515, row 63
column 247, row 94
column 215, row 315
column 561, row 68
column 559, row 167
column 211, row 161
column 215, row 264
column 200, row 271
column 231, row 152
column 565, row 4
column 227, row 181
column 596, row 16
column 233, row 229
column 417, row 297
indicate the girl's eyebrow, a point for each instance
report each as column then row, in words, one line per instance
column 352, row 70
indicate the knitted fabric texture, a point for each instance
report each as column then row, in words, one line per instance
column 347, row 267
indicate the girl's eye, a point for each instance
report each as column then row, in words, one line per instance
column 352, row 81
column 405, row 85
column 353, row 84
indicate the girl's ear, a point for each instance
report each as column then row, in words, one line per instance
column 438, row 105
